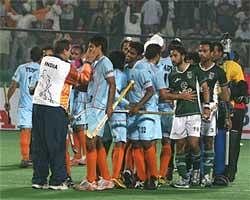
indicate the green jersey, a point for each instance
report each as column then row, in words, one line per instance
column 187, row 81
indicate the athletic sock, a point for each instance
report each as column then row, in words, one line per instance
column 82, row 139
column 25, row 143
column 165, row 159
column 102, row 163
column 77, row 146
column 129, row 158
column 151, row 161
column 139, row 163
column 196, row 161
column 91, row 158
column 180, row 160
column 208, row 161
column 117, row 159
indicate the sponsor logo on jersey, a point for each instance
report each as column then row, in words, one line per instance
column 189, row 75
column 211, row 75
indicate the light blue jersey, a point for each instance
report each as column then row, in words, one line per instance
column 166, row 66
column 23, row 76
column 118, row 121
column 78, row 103
column 142, row 78
column 98, row 87
column 143, row 127
column 121, row 83
column 98, row 93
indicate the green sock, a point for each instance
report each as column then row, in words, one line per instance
column 196, row 161
column 208, row 161
column 181, row 164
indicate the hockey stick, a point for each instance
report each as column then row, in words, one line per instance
column 227, row 147
column 141, row 112
column 6, row 101
column 105, row 118
column 71, row 139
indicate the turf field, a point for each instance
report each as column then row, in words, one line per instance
column 15, row 183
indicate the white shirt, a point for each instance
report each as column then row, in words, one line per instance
column 51, row 83
column 152, row 12
column 131, row 28
column 23, row 22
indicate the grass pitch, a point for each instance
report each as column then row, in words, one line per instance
column 15, row 183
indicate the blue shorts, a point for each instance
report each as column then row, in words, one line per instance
column 166, row 120
column 141, row 127
column 81, row 120
column 118, row 124
column 94, row 116
column 24, row 118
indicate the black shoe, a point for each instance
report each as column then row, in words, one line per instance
column 128, row 178
column 25, row 163
column 151, row 184
column 69, row 182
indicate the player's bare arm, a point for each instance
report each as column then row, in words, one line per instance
column 166, row 94
column 12, row 88
column 205, row 93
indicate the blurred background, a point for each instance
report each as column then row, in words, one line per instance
column 26, row 23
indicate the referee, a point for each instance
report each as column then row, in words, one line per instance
column 49, row 116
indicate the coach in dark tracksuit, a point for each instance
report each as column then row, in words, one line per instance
column 49, row 118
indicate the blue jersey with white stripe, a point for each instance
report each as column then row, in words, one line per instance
column 23, row 76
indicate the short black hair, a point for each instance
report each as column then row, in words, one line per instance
column 173, row 44
column 61, row 45
column 126, row 40
column 36, row 54
column 138, row 46
column 98, row 40
column 210, row 44
column 118, row 59
column 152, row 51
column 219, row 45
column 180, row 49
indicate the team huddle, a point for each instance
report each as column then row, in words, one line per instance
column 133, row 97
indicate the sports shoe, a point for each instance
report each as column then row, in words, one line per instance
column 62, row 186
column 139, row 185
column 40, row 186
column 104, row 184
column 195, row 179
column 206, row 181
column 182, row 183
column 151, row 184
column 69, row 181
column 119, row 183
column 86, row 185
column 25, row 163
column 129, row 179
column 161, row 181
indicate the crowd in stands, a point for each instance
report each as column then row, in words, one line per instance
column 181, row 18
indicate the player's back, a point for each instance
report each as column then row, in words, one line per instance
column 143, row 77
column 23, row 76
